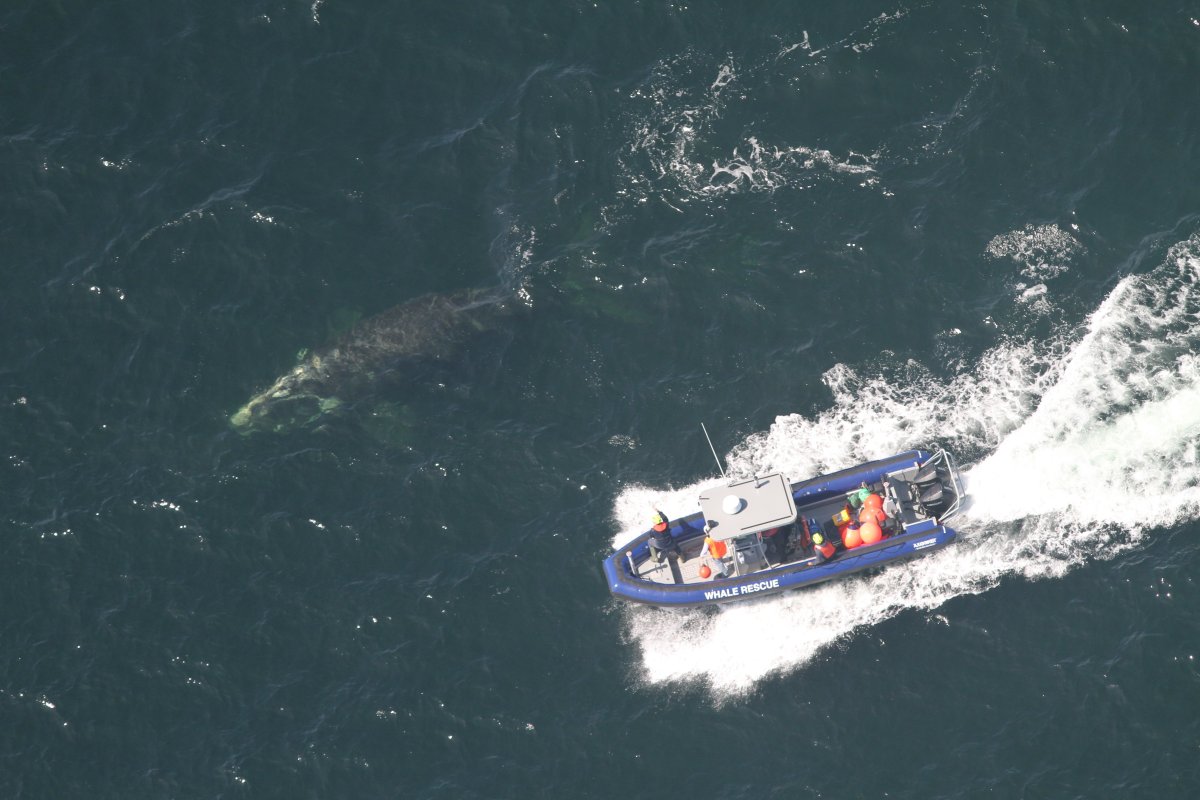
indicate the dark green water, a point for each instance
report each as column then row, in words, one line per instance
column 831, row 231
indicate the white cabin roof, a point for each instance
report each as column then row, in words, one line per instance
column 766, row 502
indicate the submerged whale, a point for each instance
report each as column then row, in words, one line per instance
column 392, row 348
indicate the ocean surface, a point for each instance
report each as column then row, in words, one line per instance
column 828, row 231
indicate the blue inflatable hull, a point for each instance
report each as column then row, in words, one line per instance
column 921, row 537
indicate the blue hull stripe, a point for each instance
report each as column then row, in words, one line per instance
column 916, row 540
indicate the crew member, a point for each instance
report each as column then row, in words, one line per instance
column 822, row 549
column 662, row 543
column 771, row 540
column 715, row 548
column 716, row 553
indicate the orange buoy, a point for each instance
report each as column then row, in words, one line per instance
column 851, row 537
column 873, row 501
column 705, row 572
column 875, row 515
column 871, row 532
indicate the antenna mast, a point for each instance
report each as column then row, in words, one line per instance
column 714, row 450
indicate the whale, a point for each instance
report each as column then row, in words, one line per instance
column 398, row 348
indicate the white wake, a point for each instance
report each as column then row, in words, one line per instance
column 1090, row 442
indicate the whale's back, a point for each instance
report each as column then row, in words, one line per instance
column 431, row 328
column 392, row 348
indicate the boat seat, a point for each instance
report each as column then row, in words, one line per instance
column 904, row 495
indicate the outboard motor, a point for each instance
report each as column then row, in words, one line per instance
column 935, row 489
column 935, row 498
column 928, row 476
column 935, row 492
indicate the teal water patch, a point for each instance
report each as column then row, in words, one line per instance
column 393, row 424
column 823, row 229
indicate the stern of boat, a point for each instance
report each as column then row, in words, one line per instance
column 937, row 487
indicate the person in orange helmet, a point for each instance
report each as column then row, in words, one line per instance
column 661, row 542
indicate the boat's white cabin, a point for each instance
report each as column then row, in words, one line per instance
column 738, row 513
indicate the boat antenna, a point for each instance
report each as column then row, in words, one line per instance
column 714, row 450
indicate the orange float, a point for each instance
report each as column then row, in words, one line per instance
column 873, row 501
column 875, row 515
column 870, row 533
column 705, row 571
column 851, row 537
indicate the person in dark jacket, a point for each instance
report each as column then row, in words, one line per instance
column 662, row 543
column 776, row 544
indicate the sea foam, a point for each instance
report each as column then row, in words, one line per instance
column 1083, row 446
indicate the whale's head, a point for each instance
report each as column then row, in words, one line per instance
column 292, row 401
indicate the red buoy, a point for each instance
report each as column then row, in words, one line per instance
column 705, row 572
column 873, row 501
column 871, row 532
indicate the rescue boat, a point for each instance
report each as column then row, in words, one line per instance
column 760, row 532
